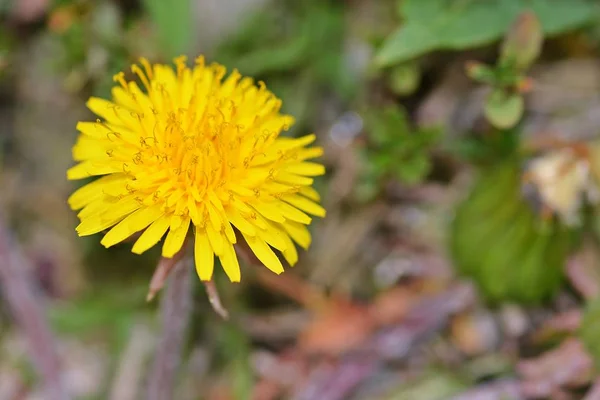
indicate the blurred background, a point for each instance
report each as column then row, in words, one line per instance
column 460, row 257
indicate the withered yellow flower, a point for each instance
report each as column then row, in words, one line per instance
column 195, row 149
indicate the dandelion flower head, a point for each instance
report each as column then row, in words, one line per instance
column 189, row 149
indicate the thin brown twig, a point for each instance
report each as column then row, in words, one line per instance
column 29, row 314
column 215, row 299
column 176, row 304
column 164, row 268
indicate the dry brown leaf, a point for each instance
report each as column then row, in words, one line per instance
column 567, row 322
column 339, row 327
column 569, row 365
column 392, row 305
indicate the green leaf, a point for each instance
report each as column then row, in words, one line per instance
column 235, row 347
column 106, row 23
column 459, row 24
column 394, row 149
column 523, row 42
column 173, row 22
column 384, row 124
column 501, row 243
column 504, row 110
column 480, row 72
column 405, row 78
column 589, row 332
column 413, row 170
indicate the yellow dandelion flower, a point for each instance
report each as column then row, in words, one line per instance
column 196, row 149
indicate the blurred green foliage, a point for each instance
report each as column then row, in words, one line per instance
column 393, row 150
column 404, row 79
column 589, row 332
column 286, row 43
column 109, row 308
column 505, row 104
column 173, row 22
column 234, row 348
column 460, row 24
column 433, row 385
column 503, row 109
column 500, row 242
column 92, row 37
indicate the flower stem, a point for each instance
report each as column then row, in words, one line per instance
column 176, row 304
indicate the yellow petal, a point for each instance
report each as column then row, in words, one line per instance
column 306, row 169
column 94, row 190
column 274, row 236
column 240, row 205
column 218, row 217
column 97, row 206
column 264, row 253
column 310, row 192
column 299, row 233
column 124, row 99
column 290, row 253
column 229, row 233
column 286, row 143
column 193, row 210
column 230, row 263
column 268, row 211
column 304, row 204
column 242, row 224
column 87, row 148
column 152, row 235
column 175, row 238
column 292, row 213
column 104, row 220
column 215, row 238
column 214, row 217
column 133, row 223
column 93, row 168
column 203, row 255
column 241, row 190
column 174, row 196
column 114, row 113
column 306, row 154
column 276, row 188
column 93, row 129
column 176, row 221
column 292, row 179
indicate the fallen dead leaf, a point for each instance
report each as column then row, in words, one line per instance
column 424, row 319
column 335, row 381
column 559, row 324
column 339, row 327
column 392, row 305
column 569, row 365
